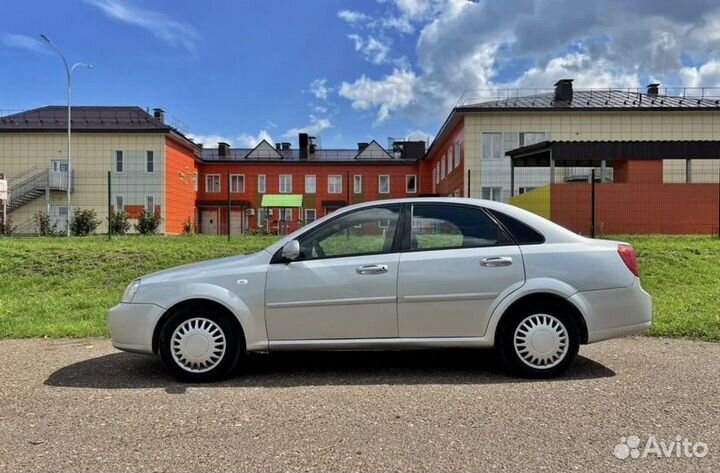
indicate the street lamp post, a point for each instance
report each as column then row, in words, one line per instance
column 69, row 70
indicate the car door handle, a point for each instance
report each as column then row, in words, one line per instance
column 496, row 261
column 373, row 269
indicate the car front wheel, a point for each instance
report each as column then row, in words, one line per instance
column 539, row 342
column 198, row 345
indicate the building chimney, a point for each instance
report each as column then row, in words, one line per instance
column 564, row 91
column 278, row 146
column 653, row 89
column 223, row 150
column 303, row 144
column 159, row 113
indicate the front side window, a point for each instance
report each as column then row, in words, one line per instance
column 365, row 231
column 149, row 161
column 212, row 183
column 119, row 161
column 411, row 184
column 119, row 203
column 150, row 203
column 334, row 184
column 261, row 184
column 357, row 184
column 384, row 184
column 310, row 215
column 439, row 226
column 286, row 214
column 492, row 146
column 237, row 183
column 310, row 184
column 285, row 184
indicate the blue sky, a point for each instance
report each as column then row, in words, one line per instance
column 346, row 70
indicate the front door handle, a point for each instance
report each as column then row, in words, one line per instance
column 372, row 269
column 496, row 261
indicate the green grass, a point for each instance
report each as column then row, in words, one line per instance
column 60, row 287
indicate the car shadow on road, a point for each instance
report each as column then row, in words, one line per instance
column 289, row 369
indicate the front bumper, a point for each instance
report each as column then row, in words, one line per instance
column 132, row 326
column 616, row 312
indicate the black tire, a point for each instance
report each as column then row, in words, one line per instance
column 514, row 363
column 234, row 346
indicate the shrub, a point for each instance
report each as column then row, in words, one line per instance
column 43, row 225
column 119, row 224
column 188, row 227
column 148, row 222
column 84, row 222
column 6, row 227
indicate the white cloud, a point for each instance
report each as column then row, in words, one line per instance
column 319, row 89
column 314, row 128
column 243, row 140
column 419, row 135
column 162, row 26
column 353, row 16
column 372, row 49
column 582, row 68
column 392, row 92
column 20, row 41
column 707, row 75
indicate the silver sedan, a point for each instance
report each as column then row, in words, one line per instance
column 393, row 274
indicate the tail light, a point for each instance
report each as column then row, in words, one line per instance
column 627, row 253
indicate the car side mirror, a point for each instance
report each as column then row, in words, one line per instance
column 291, row 250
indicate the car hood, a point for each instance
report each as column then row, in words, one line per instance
column 207, row 268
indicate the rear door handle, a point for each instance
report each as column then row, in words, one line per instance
column 496, row 261
column 372, row 269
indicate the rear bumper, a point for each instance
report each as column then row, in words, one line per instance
column 615, row 313
column 132, row 326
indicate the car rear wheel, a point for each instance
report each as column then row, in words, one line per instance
column 539, row 342
column 198, row 344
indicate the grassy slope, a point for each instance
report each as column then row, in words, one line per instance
column 63, row 287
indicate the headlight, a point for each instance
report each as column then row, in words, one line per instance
column 130, row 291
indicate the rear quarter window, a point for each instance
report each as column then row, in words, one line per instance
column 523, row 234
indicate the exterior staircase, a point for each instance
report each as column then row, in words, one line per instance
column 33, row 183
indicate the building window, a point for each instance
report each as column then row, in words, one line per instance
column 310, row 215
column 442, row 168
column 119, row 161
column 286, row 214
column 457, row 153
column 492, row 146
column 150, row 203
column 285, row 183
column 212, row 183
column 150, row 161
column 434, row 179
column 449, row 163
column 384, row 184
column 334, row 184
column 437, row 174
column 530, row 138
column 261, row 184
column 237, row 183
column 492, row 193
column 195, row 181
column 310, row 184
column 411, row 184
column 119, row 203
column 357, row 184
column 523, row 190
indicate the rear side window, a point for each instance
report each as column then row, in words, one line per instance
column 523, row 234
column 438, row 226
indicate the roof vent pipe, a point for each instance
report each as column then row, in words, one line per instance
column 653, row 89
column 223, row 149
column 159, row 113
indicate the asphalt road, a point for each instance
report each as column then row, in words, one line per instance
column 78, row 405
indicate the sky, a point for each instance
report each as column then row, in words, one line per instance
column 347, row 71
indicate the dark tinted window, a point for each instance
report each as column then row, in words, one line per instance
column 523, row 234
column 438, row 226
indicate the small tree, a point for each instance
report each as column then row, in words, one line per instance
column 119, row 224
column 84, row 222
column 7, row 227
column 148, row 222
column 43, row 225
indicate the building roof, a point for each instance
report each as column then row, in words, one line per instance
column 592, row 153
column 599, row 99
column 53, row 118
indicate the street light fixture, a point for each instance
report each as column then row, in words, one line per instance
column 69, row 70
